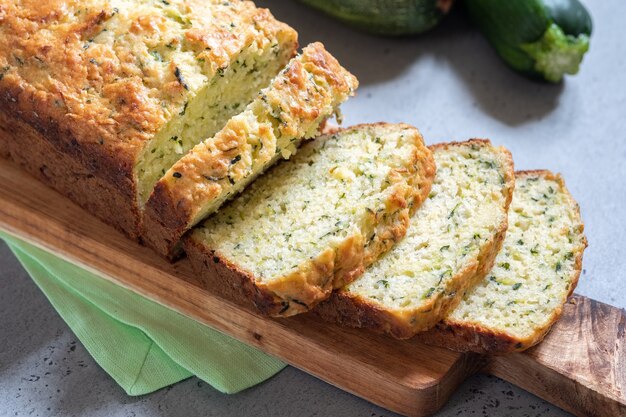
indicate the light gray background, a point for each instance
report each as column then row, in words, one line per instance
column 451, row 85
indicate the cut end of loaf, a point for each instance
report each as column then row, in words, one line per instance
column 537, row 269
column 214, row 93
column 292, row 108
column 124, row 87
column 457, row 230
column 316, row 221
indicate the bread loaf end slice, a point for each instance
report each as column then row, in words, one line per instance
column 293, row 107
column 120, row 90
column 452, row 241
column 535, row 272
column 313, row 223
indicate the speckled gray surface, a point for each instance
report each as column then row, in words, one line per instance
column 450, row 85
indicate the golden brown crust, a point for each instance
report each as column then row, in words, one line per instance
column 465, row 336
column 66, row 175
column 227, row 280
column 314, row 280
column 203, row 176
column 100, row 103
column 411, row 186
column 353, row 311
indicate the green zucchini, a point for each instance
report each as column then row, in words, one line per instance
column 386, row 17
column 539, row 38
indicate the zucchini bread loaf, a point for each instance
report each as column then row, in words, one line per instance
column 313, row 223
column 537, row 269
column 293, row 107
column 452, row 241
column 115, row 92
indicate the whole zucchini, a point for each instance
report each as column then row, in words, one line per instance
column 386, row 17
column 539, row 38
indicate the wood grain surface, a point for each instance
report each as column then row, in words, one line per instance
column 580, row 366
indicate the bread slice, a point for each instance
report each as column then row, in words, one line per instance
column 313, row 223
column 538, row 267
column 452, row 241
column 293, row 107
column 126, row 87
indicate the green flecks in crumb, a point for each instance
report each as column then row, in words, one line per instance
column 447, row 273
column 179, row 77
column 489, row 164
column 157, row 56
column 454, row 210
column 184, row 110
column 429, row 293
column 505, row 265
column 517, row 286
column 558, row 266
column 178, row 148
column 383, row 282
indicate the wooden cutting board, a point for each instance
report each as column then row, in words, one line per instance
column 580, row 366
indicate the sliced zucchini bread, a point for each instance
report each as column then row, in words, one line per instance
column 313, row 223
column 126, row 87
column 293, row 107
column 453, row 239
column 537, row 269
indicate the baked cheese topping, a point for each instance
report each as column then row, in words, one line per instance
column 139, row 82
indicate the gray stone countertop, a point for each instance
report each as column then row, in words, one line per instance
column 451, row 85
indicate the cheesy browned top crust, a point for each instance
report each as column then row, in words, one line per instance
column 100, row 78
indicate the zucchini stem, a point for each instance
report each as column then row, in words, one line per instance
column 556, row 53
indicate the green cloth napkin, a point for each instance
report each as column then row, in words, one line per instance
column 143, row 345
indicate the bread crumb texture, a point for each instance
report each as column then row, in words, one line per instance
column 292, row 108
column 132, row 84
column 537, row 268
column 413, row 284
column 314, row 222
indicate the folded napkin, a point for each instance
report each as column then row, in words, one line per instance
column 143, row 345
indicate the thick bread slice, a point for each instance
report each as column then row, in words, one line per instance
column 313, row 223
column 126, row 87
column 452, row 241
column 538, row 267
column 293, row 107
